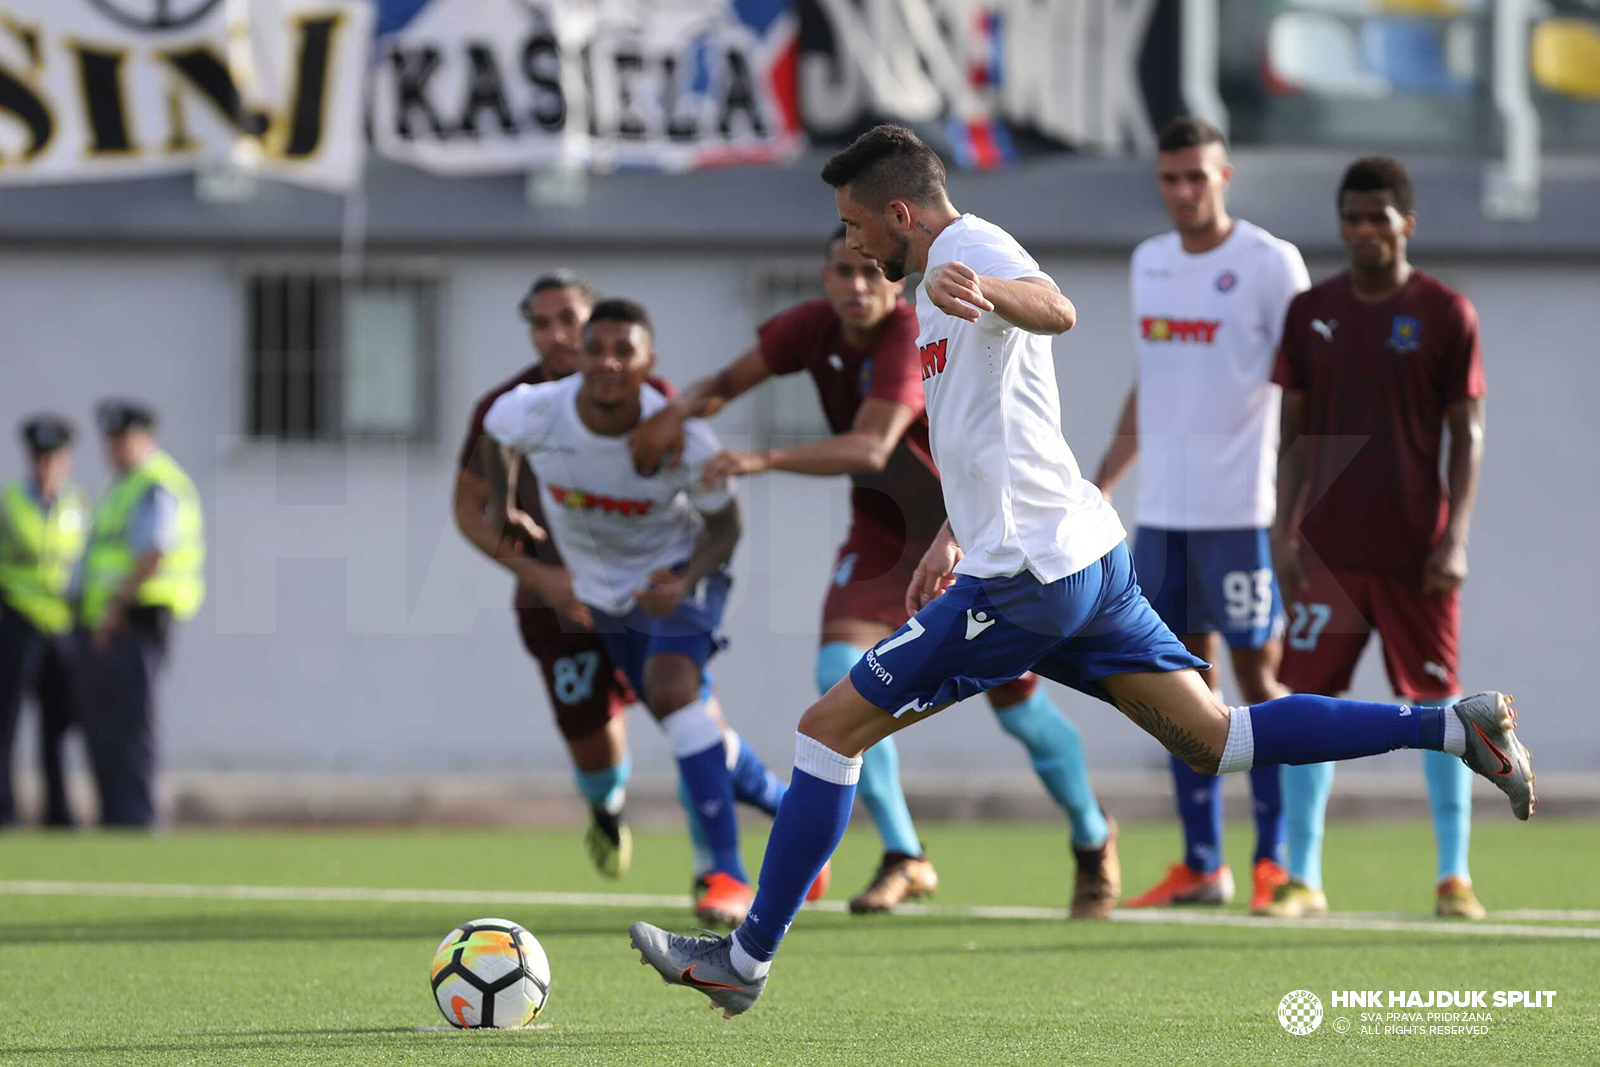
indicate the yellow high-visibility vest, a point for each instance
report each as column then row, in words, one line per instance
column 38, row 548
column 178, row 583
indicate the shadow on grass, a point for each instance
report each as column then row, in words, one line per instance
column 354, row 1037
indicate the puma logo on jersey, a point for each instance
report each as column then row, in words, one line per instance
column 579, row 500
column 933, row 357
column 1195, row 331
column 1438, row 670
column 977, row 622
column 1325, row 328
column 836, row 361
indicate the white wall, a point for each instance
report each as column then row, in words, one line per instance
column 350, row 628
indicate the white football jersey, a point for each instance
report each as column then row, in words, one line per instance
column 1206, row 327
column 613, row 525
column 1012, row 488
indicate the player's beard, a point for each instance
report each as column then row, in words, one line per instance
column 894, row 268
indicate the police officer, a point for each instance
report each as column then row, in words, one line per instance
column 41, row 534
column 141, row 570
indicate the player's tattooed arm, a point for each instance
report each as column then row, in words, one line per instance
column 666, row 589
column 1178, row 741
column 658, row 441
column 1446, row 567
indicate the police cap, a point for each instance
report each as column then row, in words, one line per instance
column 46, row 433
column 119, row 416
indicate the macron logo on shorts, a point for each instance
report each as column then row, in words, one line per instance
column 977, row 623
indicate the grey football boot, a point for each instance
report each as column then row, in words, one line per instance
column 1494, row 751
column 701, row 963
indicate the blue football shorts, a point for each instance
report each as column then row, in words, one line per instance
column 1211, row 581
column 984, row 632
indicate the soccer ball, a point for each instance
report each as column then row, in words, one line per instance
column 490, row 973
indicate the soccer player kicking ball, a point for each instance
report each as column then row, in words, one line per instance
column 1031, row 572
column 644, row 558
column 1375, row 363
column 1208, row 304
column 859, row 344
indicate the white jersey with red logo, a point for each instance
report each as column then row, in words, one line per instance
column 614, row 526
column 1206, row 327
column 1015, row 496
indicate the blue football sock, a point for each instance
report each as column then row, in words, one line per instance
column 696, row 740
column 606, row 788
column 753, row 783
column 1450, row 797
column 1302, row 728
column 1266, row 798
column 810, row 822
column 1305, row 807
column 699, row 843
column 879, row 787
column 1057, row 752
column 1199, row 798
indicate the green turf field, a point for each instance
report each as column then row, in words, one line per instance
column 145, row 979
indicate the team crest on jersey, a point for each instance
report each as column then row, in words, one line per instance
column 864, row 377
column 1226, row 281
column 1405, row 336
column 580, row 500
column 1162, row 328
column 934, row 355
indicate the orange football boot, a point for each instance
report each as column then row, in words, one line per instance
column 725, row 900
column 1185, row 885
column 820, row 886
column 1264, row 881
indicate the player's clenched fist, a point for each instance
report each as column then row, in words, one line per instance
column 663, row 595
column 935, row 572
column 956, row 290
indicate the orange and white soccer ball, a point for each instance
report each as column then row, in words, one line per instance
column 490, row 973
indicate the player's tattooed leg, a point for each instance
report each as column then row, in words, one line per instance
column 1178, row 741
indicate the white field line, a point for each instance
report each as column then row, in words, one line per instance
column 1370, row 921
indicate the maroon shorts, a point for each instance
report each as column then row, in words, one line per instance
column 1331, row 617
column 870, row 577
column 586, row 689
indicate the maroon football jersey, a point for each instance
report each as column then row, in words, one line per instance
column 809, row 337
column 1378, row 379
column 470, row 458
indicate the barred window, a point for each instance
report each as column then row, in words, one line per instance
column 332, row 358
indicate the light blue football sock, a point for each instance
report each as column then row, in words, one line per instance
column 879, row 787
column 1450, row 797
column 1305, row 813
column 1057, row 753
column 606, row 788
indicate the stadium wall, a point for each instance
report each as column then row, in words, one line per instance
column 350, row 629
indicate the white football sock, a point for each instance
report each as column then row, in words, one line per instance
column 1455, row 733
column 748, row 966
column 1239, row 754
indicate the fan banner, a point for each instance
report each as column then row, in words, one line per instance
column 93, row 89
column 466, row 87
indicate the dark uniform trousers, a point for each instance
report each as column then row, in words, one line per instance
column 32, row 661
column 118, row 690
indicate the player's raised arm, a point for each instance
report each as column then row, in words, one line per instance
column 659, row 439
